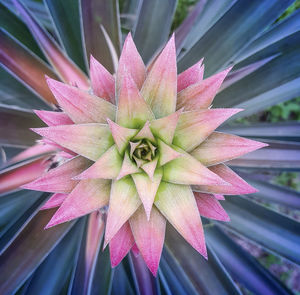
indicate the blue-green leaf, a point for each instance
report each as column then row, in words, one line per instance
column 106, row 13
column 237, row 28
column 264, row 226
column 207, row 276
column 65, row 16
column 29, row 250
column 14, row 126
column 242, row 266
column 13, row 25
column 279, row 155
column 153, row 25
column 279, row 131
column 51, row 276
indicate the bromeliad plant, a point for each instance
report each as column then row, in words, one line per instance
column 135, row 146
column 142, row 158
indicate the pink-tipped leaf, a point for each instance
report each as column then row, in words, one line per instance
column 89, row 140
column 177, row 203
column 150, row 167
column 81, row 106
column 235, row 184
column 55, row 201
column 103, row 82
column 149, row 235
column 210, row 207
column 59, row 179
column 128, row 167
column 145, row 133
column 200, row 95
column 107, row 166
column 166, row 153
column 165, row 127
column 192, row 75
column 120, row 244
column 187, row 170
column 133, row 111
column 160, row 87
column 221, row 147
column 54, row 118
column 147, row 188
column 131, row 61
column 123, row 202
column 121, row 135
column 88, row 196
column 194, row 127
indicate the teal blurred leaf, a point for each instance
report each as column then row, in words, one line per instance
column 15, row 124
column 280, row 131
column 14, row 26
column 51, row 276
column 264, row 226
column 279, row 155
column 214, row 279
column 152, row 26
column 29, row 250
column 106, row 13
column 237, row 28
column 242, row 266
column 66, row 21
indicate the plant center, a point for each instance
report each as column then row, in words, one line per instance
column 142, row 151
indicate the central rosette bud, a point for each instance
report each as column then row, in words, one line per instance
column 142, row 151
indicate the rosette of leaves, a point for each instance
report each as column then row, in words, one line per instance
column 55, row 39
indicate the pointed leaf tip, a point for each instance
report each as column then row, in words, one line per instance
column 131, row 60
column 210, row 207
column 86, row 197
column 121, row 135
column 147, row 189
column 200, row 95
column 160, row 87
column 81, row 106
column 195, row 126
column 103, row 82
column 177, row 203
column 149, row 235
column 120, row 244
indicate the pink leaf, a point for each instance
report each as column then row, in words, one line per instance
column 103, row 83
column 132, row 61
column 192, row 75
column 221, row 147
column 177, row 203
column 160, row 87
column 86, row 197
column 210, row 207
column 59, row 179
column 237, row 185
column 55, row 201
column 80, row 105
column 120, row 244
column 200, row 95
column 149, row 235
